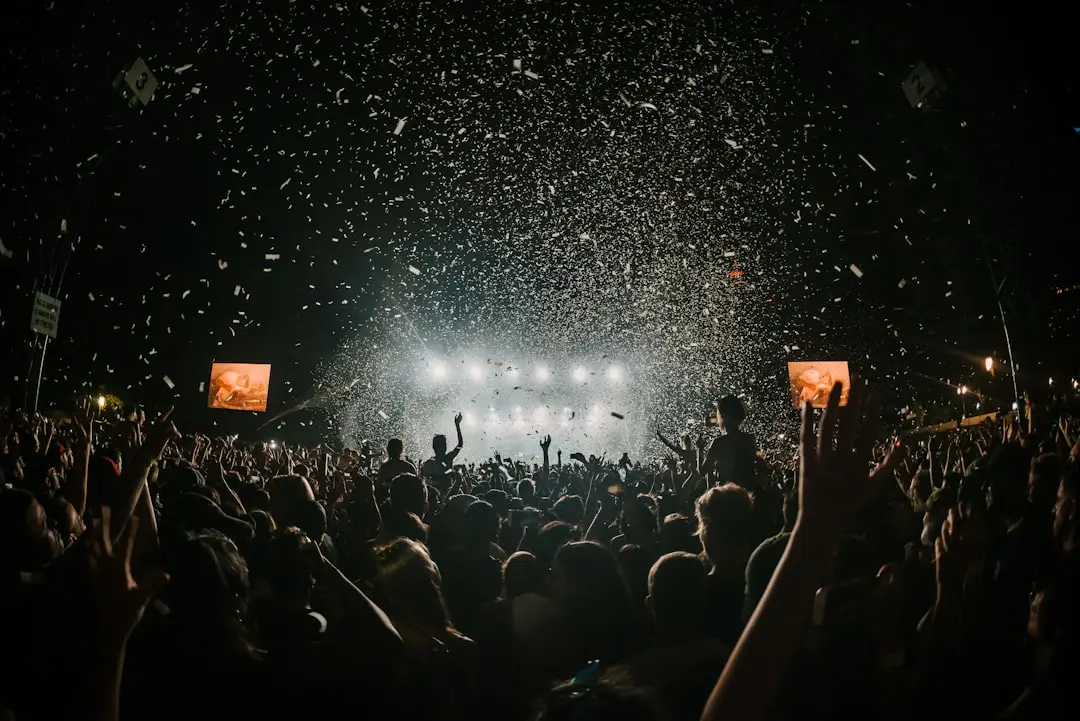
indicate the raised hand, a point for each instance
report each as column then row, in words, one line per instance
column 835, row 477
column 457, row 419
column 120, row 600
column 959, row 549
column 83, row 423
column 159, row 433
column 545, row 444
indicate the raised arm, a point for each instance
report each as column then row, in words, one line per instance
column 452, row 455
column 834, row 486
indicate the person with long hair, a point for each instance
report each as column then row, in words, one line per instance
column 440, row 660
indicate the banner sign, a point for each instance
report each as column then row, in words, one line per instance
column 46, row 315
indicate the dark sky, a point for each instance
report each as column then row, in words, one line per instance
column 278, row 141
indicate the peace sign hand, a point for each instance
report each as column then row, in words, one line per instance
column 836, row 481
column 83, row 422
column 120, row 600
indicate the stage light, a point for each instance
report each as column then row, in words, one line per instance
column 580, row 374
column 517, row 411
column 542, row 374
column 476, row 373
column 540, row 413
column 101, row 401
column 615, row 374
column 438, row 370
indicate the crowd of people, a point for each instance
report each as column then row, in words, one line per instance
column 154, row 574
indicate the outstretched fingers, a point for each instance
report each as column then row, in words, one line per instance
column 829, row 420
column 807, row 450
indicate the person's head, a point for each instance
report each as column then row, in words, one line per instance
column 500, row 501
column 287, row 492
column 570, row 509
column 1067, row 511
column 522, row 574
column 526, row 490
column 285, row 566
column 208, row 592
column 409, row 494
column 732, row 413
column 309, row 517
column 589, row 572
column 677, row 534
column 26, row 541
column 438, row 444
column 395, row 448
column 1043, row 480
column 410, row 584
column 725, row 516
column 481, row 525
column 678, row 591
column 549, row 539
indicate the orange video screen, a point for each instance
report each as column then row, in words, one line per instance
column 811, row 381
column 239, row 386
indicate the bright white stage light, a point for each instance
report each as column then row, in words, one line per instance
column 470, row 419
column 438, row 370
column 542, row 374
column 615, row 374
column 517, row 411
column 476, row 373
column 580, row 374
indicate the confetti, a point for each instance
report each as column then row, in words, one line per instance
column 863, row 158
column 400, row 126
column 168, row 382
column 856, row 270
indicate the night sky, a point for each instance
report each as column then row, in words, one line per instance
column 351, row 190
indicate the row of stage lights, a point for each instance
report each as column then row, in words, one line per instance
column 539, row 416
column 439, row 371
